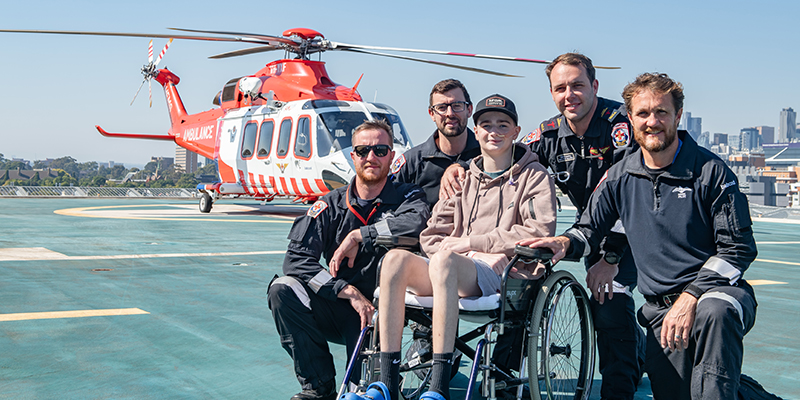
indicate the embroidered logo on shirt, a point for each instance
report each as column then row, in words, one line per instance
column 532, row 137
column 727, row 185
column 316, row 209
column 681, row 191
column 399, row 162
column 566, row 157
column 621, row 135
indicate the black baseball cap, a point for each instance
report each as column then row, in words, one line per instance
column 495, row 102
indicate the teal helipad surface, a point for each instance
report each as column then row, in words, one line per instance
column 148, row 299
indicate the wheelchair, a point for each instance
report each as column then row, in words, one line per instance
column 553, row 312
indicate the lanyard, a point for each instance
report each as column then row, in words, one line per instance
column 350, row 207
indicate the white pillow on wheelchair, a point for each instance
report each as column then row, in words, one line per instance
column 484, row 303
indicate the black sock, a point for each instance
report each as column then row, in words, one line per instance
column 440, row 376
column 390, row 372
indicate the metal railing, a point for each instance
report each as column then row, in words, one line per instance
column 96, row 192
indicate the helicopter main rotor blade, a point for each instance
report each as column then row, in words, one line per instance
column 245, row 52
column 483, row 71
column 345, row 46
column 267, row 39
column 144, row 35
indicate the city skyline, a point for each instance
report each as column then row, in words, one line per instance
column 59, row 87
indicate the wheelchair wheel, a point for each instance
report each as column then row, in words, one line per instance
column 416, row 353
column 561, row 347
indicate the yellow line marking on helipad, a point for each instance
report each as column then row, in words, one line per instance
column 758, row 282
column 71, row 314
column 176, row 213
column 41, row 253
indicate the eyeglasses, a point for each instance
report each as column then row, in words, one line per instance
column 380, row 150
column 457, row 106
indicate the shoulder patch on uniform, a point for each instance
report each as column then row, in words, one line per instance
column 317, row 208
column 398, row 163
column 534, row 136
column 620, row 135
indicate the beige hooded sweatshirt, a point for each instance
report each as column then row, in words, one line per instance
column 496, row 213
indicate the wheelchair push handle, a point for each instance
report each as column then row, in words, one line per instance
column 541, row 254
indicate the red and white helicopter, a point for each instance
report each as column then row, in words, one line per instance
column 283, row 131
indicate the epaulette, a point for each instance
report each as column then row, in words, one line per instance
column 612, row 113
column 551, row 124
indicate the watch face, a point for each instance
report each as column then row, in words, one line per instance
column 612, row 258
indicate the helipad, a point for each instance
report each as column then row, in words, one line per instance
column 133, row 299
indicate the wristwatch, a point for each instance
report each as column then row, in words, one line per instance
column 612, row 257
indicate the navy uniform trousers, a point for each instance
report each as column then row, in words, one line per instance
column 711, row 366
column 306, row 323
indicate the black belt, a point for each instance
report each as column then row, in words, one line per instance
column 665, row 300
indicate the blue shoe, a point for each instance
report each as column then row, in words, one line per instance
column 375, row 391
column 431, row 395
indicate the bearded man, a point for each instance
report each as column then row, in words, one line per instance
column 313, row 305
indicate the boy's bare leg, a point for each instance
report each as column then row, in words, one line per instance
column 400, row 270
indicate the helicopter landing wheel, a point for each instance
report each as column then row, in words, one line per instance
column 205, row 203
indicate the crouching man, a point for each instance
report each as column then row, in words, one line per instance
column 313, row 305
column 689, row 230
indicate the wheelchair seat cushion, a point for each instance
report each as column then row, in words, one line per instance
column 484, row 303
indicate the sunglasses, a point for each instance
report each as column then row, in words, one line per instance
column 380, row 150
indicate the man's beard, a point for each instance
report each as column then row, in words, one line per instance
column 670, row 134
column 369, row 178
column 460, row 128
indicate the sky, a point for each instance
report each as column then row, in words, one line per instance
column 737, row 60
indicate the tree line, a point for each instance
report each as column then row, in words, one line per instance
column 69, row 172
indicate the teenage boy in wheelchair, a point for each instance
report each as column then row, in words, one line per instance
column 507, row 196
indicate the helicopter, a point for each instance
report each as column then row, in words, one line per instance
column 283, row 131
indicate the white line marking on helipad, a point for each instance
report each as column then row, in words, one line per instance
column 40, row 254
column 777, row 261
column 71, row 314
column 758, row 282
column 760, row 242
column 30, row 253
column 169, row 212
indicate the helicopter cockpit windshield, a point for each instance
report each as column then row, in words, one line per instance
column 334, row 129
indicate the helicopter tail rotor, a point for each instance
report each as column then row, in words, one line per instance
column 149, row 70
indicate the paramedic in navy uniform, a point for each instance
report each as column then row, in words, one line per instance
column 312, row 305
column 579, row 145
column 690, row 232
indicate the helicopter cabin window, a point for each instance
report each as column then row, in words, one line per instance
column 229, row 90
column 302, row 143
column 265, row 139
column 398, row 130
column 283, row 137
column 334, row 129
column 249, row 139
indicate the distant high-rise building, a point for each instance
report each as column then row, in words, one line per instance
column 720, row 138
column 788, row 126
column 692, row 124
column 767, row 134
column 748, row 139
column 185, row 160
